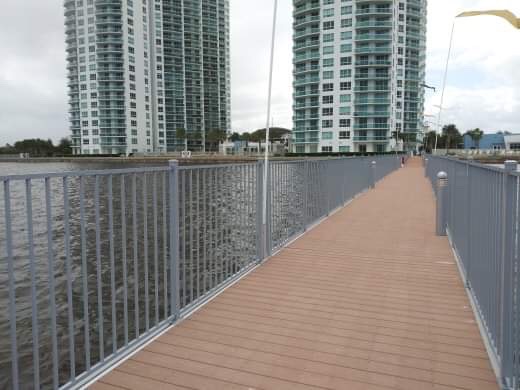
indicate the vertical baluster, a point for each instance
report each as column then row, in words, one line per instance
column 145, row 248
column 198, row 222
column 99, row 280
column 124, row 258
column 192, row 245
column 12, row 286
column 155, row 248
column 112, row 262
column 84, row 271
column 52, row 292
column 68, row 270
column 174, row 239
column 136, row 255
column 165, row 245
column 32, row 271
column 205, row 202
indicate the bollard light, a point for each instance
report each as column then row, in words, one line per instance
column 373, row 173
column 442, row 203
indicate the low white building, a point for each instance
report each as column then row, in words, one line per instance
column 512, row 142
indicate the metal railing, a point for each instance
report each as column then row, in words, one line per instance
column 482, row 222
column 94, row 264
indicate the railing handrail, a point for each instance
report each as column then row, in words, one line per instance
column 481, row 217
column 146, row 245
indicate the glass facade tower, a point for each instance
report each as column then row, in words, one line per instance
column 144, row 75
column 359, row 66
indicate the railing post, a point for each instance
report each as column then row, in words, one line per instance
column 174, row 240
column 268, row 225
column 260, row 236
column 306, row 187
column 509, row 211
column 373, row 167
column 442, row 203
column 426, row 167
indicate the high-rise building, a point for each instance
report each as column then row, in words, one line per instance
column 359, row 68
column 145, row 75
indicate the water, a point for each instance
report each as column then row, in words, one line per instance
column 22, row 267
column 217, row 239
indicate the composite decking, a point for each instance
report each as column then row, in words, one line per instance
column 369, row 299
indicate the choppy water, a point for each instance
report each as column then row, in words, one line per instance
column 217, row 218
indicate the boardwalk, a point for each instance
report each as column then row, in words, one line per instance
column 369, row 299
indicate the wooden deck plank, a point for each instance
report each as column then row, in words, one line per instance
column 369, row 299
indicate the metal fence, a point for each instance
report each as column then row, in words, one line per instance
column 93, row 264
column 483, row 225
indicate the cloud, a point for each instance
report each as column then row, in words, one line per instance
column 481, row 83
column 483, row 70
column 33, row 100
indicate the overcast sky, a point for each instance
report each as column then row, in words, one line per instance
column 482, row 86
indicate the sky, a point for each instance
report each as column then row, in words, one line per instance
column 482, row 86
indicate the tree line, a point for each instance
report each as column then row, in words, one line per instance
column 37, row 147
column 451, row 138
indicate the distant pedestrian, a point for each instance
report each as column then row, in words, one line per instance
column 402, row 161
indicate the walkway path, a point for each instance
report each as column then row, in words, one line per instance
column 370, row 299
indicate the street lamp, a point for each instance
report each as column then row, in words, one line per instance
column 266, row 162
column 504, row 14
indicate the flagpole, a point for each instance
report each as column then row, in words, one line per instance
column 266, row 157
column 444, row 87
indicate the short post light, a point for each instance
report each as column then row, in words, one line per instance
column 373, row 174
column 442, row 203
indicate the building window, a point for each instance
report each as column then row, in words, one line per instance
column 328, row 99
column 326, row 124
column 328, row 87
column 344, row 123
column 328, row 25
column 344, row 135
column 328, row 12
column 327, row 111
column 326, row 135
column 345, row 86
column 326, row 149
column 346, row 61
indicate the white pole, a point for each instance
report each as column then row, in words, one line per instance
column 266, row 163
column 444, row 86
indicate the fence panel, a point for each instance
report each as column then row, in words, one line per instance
column 86, row 261
column 483, row 225
column 95, row 263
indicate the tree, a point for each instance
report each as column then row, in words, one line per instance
column 234, row 137
column 64, row 147
column 180, row 134
column 214, row 137
column 35, row 147
column 7, row 149
column 245, row 137
column 476, row 135
column 452, row 137
column 275, row 133
column 429, row 141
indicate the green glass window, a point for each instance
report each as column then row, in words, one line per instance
column 326, row 135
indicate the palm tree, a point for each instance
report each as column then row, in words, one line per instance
column 476, row 135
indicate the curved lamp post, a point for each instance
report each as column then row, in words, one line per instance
column 504, row 14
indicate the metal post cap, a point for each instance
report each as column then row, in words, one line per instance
column 511, row 165
column 442, row 175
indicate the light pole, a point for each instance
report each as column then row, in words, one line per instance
column 504, row 14
column 266, row 157
column 444, row 85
